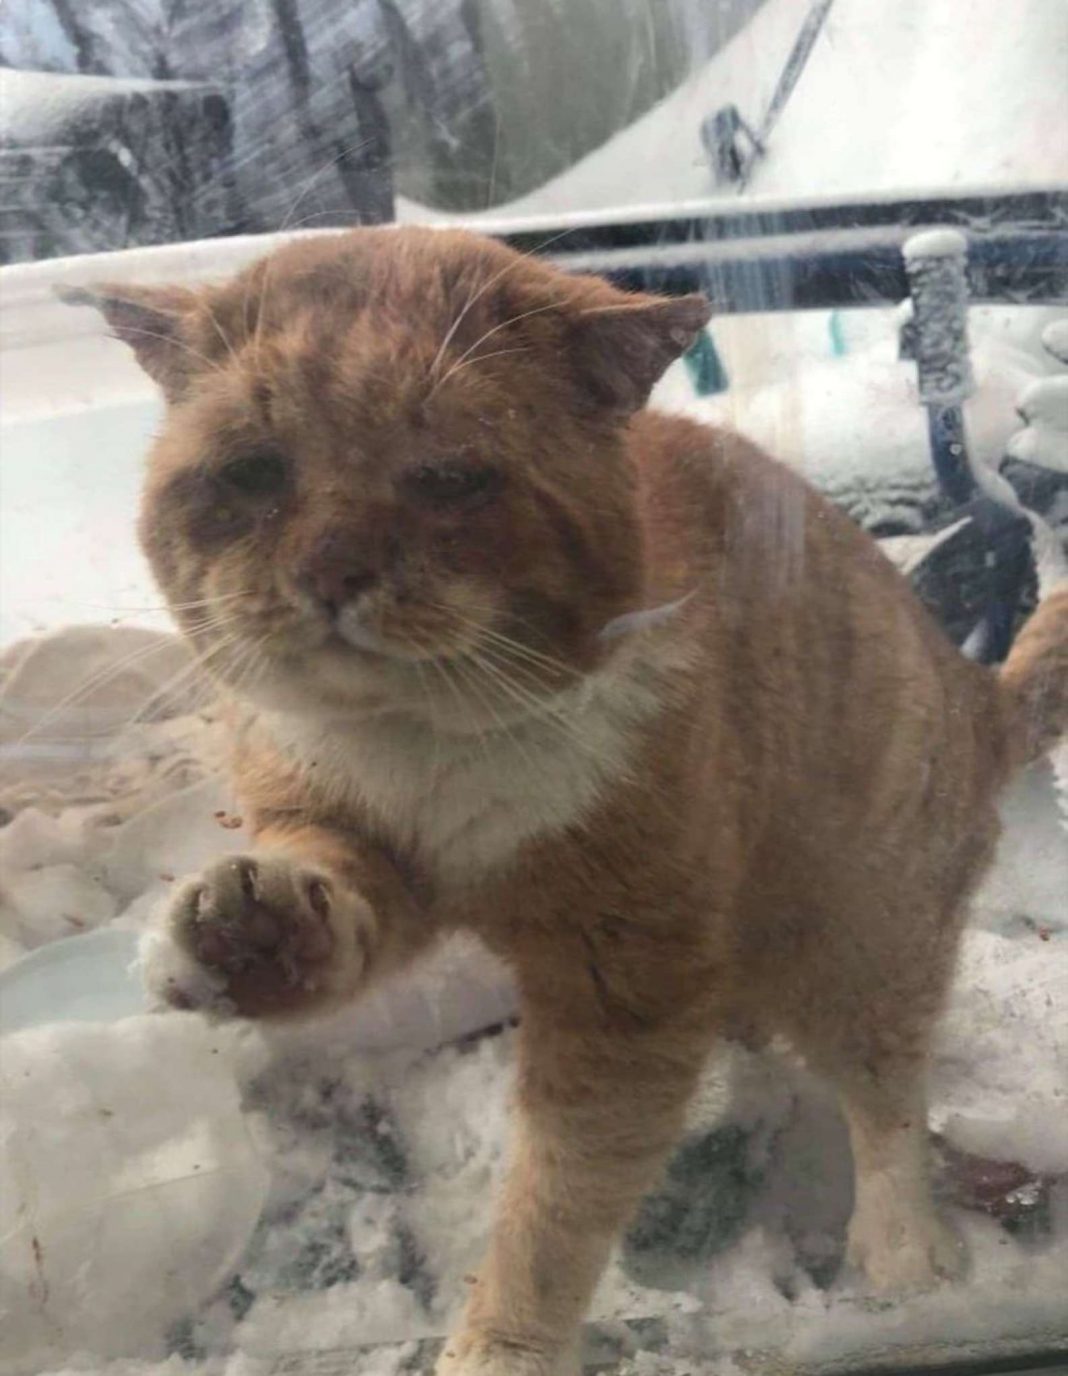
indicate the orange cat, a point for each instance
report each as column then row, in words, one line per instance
column 405, row 504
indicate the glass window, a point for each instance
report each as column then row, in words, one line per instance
column 629, row 855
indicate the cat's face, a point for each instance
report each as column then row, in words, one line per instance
column 392, row 473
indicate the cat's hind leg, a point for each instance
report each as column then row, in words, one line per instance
column 896, row 1235
column 870, row 1036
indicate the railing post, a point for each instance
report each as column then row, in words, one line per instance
column 935, row 262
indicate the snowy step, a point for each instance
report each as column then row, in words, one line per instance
column 1045, row 402
column 1042, row 446
column 1055, row 339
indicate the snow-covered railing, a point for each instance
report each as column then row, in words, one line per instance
column 819, row 255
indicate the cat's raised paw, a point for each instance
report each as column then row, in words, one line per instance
column 265, row 935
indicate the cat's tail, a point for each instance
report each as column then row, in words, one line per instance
column 1035, row 679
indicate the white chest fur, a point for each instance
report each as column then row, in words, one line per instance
column 467, row 802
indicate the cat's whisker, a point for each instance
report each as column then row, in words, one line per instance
column 503, row 656
column 227, row 343
column 428, row 702
column 345, row 152
column 440, row 666
column 261, row 312
column 249, row 668
column 172, row 341
column 563, row 726
column 547, row 709
column 524, row 652
column 286, row 225
column 516, row 646
column 99, row 677
column 447, row 674
column 222, row 600
column 480, row 358
column 534, row 706
column 180, row 681
column 494, row 329
column 503, row 324
column 476, row 296
column 170, row 606
column 245, row 300
column 210, row 624
column 97, row 680
column 503, row 727
column 339, row 219
column 566, row 727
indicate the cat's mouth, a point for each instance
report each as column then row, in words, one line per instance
column 392, row 624
column 463, row 681
column 465, row 664
column 353, row 629
column 367, row 649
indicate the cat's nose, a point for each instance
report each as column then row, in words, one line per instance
column 333, row 574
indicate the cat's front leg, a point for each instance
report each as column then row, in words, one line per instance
column 598, row 1111
column 288, row 928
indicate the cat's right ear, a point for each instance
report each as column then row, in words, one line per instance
column 151, row 321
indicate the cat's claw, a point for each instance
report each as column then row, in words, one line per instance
column 272, row 936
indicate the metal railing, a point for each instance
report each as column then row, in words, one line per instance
column 826, row 256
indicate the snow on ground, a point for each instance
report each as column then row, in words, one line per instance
column 380, row 1184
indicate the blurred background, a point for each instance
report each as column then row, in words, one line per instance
column 154, row 121
column 165, row 119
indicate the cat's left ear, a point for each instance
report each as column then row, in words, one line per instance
column 151, row 320
column 621, row 351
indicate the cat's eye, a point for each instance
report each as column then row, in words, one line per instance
column 454, row 484
column 261, row 473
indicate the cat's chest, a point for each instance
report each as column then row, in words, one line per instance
column 467, row 808
column 467, row 804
